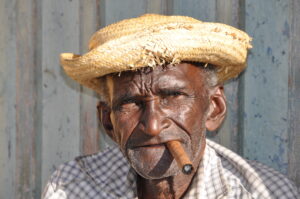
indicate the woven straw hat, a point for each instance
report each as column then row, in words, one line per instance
column 152, row 40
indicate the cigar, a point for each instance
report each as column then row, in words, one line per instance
column 182, row 159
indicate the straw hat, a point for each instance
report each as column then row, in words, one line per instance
column 151, row 40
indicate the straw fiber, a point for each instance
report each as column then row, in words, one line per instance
column 152, row 40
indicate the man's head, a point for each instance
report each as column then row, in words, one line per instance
column 152, row 106
column 160, row 93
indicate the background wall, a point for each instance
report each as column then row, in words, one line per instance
column 47, row 119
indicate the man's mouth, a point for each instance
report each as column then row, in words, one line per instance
column 152, row 144
column 149, row 146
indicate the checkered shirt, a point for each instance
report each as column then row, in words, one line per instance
column 221, row 174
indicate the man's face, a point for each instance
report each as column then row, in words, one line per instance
column 154, row 106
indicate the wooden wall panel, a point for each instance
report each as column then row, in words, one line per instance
column 7, row 99
column 27, row 74
column 266, row 83
column 199, row 9
column 294, row 94
column 117, row 10
column 61, row 97
column 159, row 6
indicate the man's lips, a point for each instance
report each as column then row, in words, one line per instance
column 148, row 146
column 152, row 144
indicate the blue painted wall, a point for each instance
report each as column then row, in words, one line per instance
column 266, row 86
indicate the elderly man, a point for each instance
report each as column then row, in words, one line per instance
column 160, row 81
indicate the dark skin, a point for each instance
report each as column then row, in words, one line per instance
column 151, row 107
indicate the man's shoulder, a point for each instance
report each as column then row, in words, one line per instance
column 98, row 163
column 258, row 179
column 100, row 175
column 276, row 182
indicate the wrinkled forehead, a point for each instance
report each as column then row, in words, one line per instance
column 183, row 75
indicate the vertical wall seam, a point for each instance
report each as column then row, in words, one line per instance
column 81, row 133
column 241, row 86
column 291, row 90
column 38, row 120
column 101, row 13
column 170, row 7
column 293, row 95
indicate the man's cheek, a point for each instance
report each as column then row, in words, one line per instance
column 186, row 110
column 125, row 129
column 123, row 136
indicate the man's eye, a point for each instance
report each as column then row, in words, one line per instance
column 130, row 104
column 173, row 94
column 176, row 93
column 172, row 98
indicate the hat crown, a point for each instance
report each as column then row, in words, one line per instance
column 134, row 25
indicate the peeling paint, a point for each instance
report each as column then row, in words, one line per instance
column 269, row 51
column 286, row 29
column 9, row 149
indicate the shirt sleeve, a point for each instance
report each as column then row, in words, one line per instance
column 52, row 192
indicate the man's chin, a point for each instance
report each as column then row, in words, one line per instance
column 162, row 165
column 156, row 174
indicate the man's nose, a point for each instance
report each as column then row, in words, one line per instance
column 154, row 120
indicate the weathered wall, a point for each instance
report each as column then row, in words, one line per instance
column 47, row 119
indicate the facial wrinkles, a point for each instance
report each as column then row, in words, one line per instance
column 168, row 81
column 146, row 83
column 184, row 114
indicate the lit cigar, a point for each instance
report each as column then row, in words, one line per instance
column 180, row 156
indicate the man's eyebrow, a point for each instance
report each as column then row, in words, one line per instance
column 164, row 90
column 172, row 88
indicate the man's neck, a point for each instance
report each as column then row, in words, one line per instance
column 167, row 188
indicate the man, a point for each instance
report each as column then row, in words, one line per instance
column 160, row 81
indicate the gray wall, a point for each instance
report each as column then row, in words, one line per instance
column 47, row 119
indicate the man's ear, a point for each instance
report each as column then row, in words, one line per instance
column 217, row 109
column 104, row 118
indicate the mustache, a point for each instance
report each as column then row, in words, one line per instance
column 141, row 139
